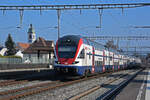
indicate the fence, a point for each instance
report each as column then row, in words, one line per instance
column 25, row 61
column 10, row 60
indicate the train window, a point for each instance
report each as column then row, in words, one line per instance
column 115, row 63
column 89, row 55
column 98, row 63
column 110, row 58
column 81, row 55
column 101, row 63
column 95, row 63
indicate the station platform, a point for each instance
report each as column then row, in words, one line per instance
column 137, row 89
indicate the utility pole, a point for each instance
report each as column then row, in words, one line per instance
column 58, row 22
column 100, row 17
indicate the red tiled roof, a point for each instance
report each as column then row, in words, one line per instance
column 41, row 45
column 22, row 46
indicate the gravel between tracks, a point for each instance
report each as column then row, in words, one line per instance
column 21, row 85
column 66, row 92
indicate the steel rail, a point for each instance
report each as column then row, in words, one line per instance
column 96, row 88
column 39, row 90
column 12, row 82
column 115, row 91
column 3, row 82
column 28, row 87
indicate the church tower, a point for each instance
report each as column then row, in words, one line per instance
column 31, row 34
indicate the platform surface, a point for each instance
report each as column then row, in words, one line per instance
column 137, row 89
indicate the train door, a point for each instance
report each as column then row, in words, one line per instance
column 93, row 60
column 109, row 60
column 103, row 60
column 82, row 57
column 113, row 63
column 118, row 62
column 86, row 57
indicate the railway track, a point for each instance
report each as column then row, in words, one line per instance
column 5, row 95
column 12, row 82
column 21, row 79
column 35, row 89
column 109, row 95
column 13, row 79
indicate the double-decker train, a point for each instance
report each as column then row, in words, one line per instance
column 78, row 55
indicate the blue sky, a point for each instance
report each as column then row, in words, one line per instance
column 72, row 22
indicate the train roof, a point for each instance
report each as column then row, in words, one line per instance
column 95, row 44
column 78, row 37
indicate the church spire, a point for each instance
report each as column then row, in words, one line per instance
column 31, row 34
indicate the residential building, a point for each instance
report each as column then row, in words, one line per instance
column 3, row 51
column 20, row 48
column 40, row 51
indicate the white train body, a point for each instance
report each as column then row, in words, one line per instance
column 81, row 56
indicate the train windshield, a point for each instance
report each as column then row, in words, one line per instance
column 67, row 46
column 66, row 51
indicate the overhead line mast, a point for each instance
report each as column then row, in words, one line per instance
column 71, row 7
column 118, row 37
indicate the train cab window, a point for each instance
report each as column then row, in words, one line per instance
column 82, row 54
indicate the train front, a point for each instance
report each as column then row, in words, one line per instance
column 67, row 49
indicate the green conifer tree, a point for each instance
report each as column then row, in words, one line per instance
column 10, row 45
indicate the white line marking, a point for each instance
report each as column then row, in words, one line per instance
column 147, row 95
column 141, row 89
